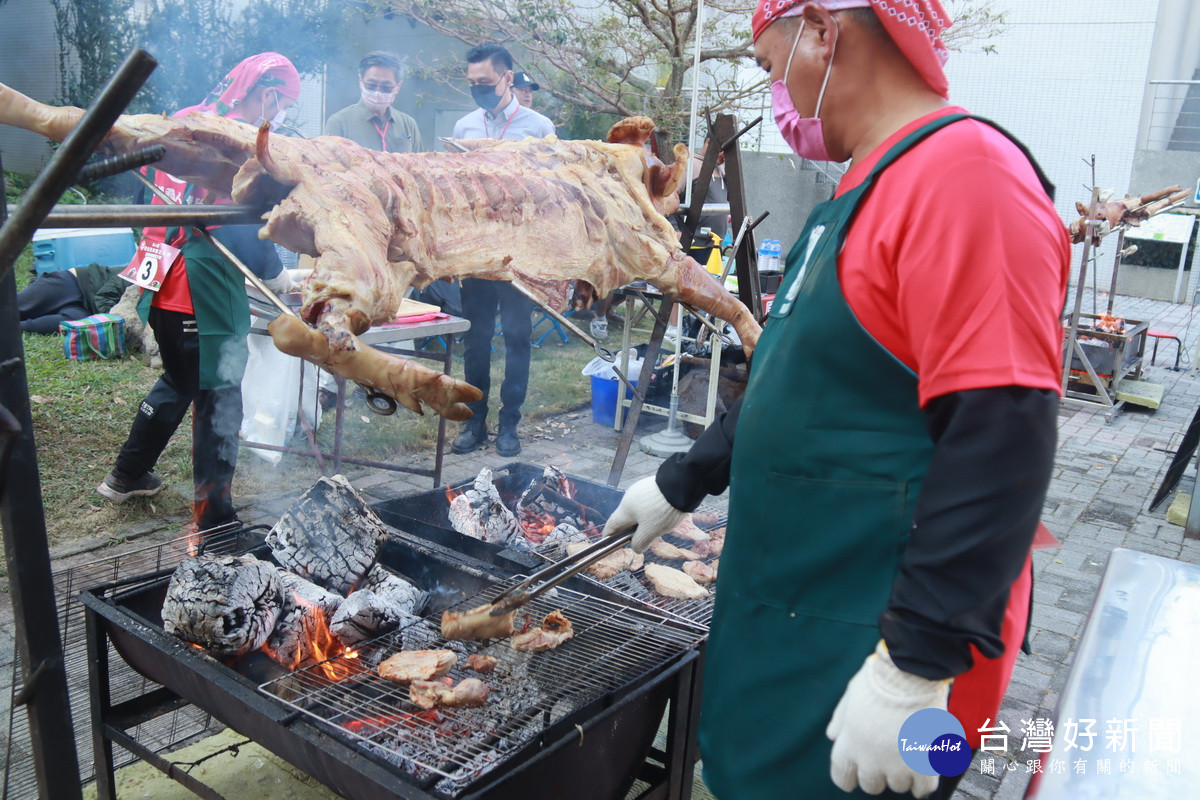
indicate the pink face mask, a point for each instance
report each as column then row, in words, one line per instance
column 803, row 134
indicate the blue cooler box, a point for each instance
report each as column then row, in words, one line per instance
column 604, row 400
column 62, row 248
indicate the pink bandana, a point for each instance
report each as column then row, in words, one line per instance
column 269, row 70
column 915, row 26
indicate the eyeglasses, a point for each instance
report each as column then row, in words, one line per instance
column 372, row 86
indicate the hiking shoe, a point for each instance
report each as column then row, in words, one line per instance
column 119, row 490
column 473, row 435
column 507, row 443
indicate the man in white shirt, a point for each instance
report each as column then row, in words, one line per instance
column 499, row 116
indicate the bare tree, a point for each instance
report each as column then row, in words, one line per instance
column 626, row 57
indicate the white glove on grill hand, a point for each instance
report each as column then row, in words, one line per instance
column 645, row 507
column 281, row 283
column 866, row 725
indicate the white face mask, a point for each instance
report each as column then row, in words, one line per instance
column 377, row 101
column 277, row 120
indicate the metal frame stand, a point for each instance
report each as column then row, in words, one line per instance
column 724, row 131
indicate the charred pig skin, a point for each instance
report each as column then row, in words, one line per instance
column 540, row 211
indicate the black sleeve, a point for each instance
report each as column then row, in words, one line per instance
column 687, row 478
column 258, row 254
column 973, row 527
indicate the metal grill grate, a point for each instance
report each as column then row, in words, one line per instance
column 159, row 734
column 636, row 586
column 613, row 645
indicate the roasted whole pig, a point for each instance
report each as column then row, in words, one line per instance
column 537, row 211
column 1127, row 210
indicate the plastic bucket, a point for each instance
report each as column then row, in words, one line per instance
column 604, row 400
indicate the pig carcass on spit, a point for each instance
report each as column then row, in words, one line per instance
column 538, row 211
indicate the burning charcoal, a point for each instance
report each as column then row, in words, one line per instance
column 392, row 589
column 302, row 636
column 329, row 536
column 481, row 514
column 227, row 604
column 365, row 615
column 548, row 509
column 310, row 593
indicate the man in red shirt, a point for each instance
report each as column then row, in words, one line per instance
column 894, row 445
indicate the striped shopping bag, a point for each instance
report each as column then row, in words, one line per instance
column 94, row 337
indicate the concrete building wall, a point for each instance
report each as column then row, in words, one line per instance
column 30, row 65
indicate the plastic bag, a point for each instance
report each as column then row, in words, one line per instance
column 270, row 396
column 600, row 368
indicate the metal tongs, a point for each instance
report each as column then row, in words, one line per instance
column 556, row 573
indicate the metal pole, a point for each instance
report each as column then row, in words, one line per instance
column 112, row 216
column 695, row 106
column 76, row 149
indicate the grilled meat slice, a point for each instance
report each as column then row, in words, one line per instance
column 664, row 549
column 480, row 662
column 686, row 529
column 701, row 572
column 554, row 630
column 609, row 566
column 478, row 623
column 418, row 665
column 468, row 693
column 670, row 582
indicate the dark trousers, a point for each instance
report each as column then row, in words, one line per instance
column 480, row 301
column 48, row 300
column 216, row 420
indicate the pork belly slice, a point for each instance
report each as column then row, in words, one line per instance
column 664, row 549
column 478, row 623
column 686, row 529
column 469, row 693
column 418, row 665
column 554, row 630
column 611, row 565
column 478, row 662
column 670, row 582
column 701, row 572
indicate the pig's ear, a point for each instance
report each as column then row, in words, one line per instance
column 631, row 130
column 664, row 180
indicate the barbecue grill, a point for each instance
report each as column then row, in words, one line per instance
column 427, row 515
column 574, row 722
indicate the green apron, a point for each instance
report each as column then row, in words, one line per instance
column 829, row 456
column 222, row 312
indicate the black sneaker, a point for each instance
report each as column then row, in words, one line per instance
column 507, row 443
column 473, row 435
column 119, row 490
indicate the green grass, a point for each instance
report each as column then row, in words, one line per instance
column 82, row 412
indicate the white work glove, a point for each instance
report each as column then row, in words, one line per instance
column 866, row 726
column 644, row 506
column 281, row 283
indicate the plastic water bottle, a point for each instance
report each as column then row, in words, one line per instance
column 772, row 258
column 728, row 240
column 764, row 255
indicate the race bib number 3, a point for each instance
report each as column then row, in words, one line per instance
column 150, row 264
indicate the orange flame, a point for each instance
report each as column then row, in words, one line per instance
column 322, row 647
column 1110, row 324
column 451, row 493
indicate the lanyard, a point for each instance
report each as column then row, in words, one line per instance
column 382, row 132
column 510, row 119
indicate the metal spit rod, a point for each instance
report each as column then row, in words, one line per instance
column 255, row 281
column 120, row 216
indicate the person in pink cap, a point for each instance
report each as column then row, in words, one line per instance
column 200, row 316
column 895, row 442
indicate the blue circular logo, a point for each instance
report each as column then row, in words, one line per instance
column 933, row 742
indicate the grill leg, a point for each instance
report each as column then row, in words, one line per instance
column 99, row 689
column 682, row 726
